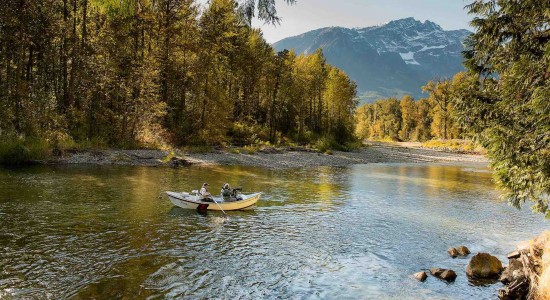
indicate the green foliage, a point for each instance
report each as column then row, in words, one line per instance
column 504, row 98
column 409, row 120
column 379, row 120
column 442, row 97
column 329, row 143
column 266, row 10
column 456, row 146
column 251, row 149
column 17, row 151
column 133, row 74
column 169, row 157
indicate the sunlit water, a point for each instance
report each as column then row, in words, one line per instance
column 324, row 233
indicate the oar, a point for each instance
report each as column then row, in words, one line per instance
column 219, row 206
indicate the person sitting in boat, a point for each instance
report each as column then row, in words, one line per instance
column 226, row 190
column 205, row 195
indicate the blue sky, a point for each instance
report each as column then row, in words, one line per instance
column 307, row 15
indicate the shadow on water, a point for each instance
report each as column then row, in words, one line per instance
column 182, row 213
column 485, row 282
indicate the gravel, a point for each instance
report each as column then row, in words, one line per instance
column 280, row 159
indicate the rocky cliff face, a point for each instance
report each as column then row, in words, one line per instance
column 389, row 60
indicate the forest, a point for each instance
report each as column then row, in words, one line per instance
column 110, row 73
column 434, row 117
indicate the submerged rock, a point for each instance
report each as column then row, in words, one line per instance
column 453, row 252
column 444, row 274
column 176, row 162
column 420, row 276
column 460, row 251
column 463, row 251
column 484, row 265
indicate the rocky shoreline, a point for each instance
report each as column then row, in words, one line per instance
column 527, row 275
column 269, row 157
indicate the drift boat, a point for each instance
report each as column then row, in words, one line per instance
column 187, row 201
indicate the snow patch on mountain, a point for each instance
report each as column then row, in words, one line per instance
column 409, row 58
column 390, row 59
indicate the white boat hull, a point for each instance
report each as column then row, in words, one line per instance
column 187, row 201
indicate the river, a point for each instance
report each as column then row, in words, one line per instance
column 357, row 232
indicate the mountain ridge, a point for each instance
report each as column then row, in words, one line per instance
column 388, row 60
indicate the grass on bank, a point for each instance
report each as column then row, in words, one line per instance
column 328, row 144
column 18, row 151
column 454, row 146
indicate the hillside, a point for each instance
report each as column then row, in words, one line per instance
column 389, row 60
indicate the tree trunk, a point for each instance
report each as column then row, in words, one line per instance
column 63, row 57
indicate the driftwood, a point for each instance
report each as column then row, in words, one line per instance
column 525, row 267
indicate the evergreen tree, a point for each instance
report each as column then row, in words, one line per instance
column 506, row 102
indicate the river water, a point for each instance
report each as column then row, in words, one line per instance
column 90, row 232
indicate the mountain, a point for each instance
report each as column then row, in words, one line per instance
column 393, row 59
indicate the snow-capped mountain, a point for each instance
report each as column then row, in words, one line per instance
column 393, row 59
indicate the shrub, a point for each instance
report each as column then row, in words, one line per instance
column 17, row 151
column 454, row 146
column 329, row 143
column 251, row 149
column 235, row 150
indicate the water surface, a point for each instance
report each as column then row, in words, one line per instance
column 358, row 232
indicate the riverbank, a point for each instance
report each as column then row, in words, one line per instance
column 528, row 273
column 271, row 157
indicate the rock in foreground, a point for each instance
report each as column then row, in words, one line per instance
column 453, row 252
column 528, row 273
column 444, row 274
column 463, row 251
column 460, row 251
column 484, row 265
column 420, row 276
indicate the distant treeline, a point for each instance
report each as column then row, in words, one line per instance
column 410, row 120
column 124, row 73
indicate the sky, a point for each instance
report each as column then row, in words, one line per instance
column 308, row 15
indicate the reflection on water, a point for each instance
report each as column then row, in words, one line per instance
column 346, row 233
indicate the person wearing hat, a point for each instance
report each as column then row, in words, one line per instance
column 205, row 195
column 226, row 190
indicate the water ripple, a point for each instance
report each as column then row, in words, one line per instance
column 346, row 233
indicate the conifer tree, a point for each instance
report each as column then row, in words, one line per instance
column 506, row 103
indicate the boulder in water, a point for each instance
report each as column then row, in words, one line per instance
column 484, row 265
column 460, row 251
column 453, row 252
column 444, row 274
column 176, row 162
column 463, row 251
column 420, row 276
